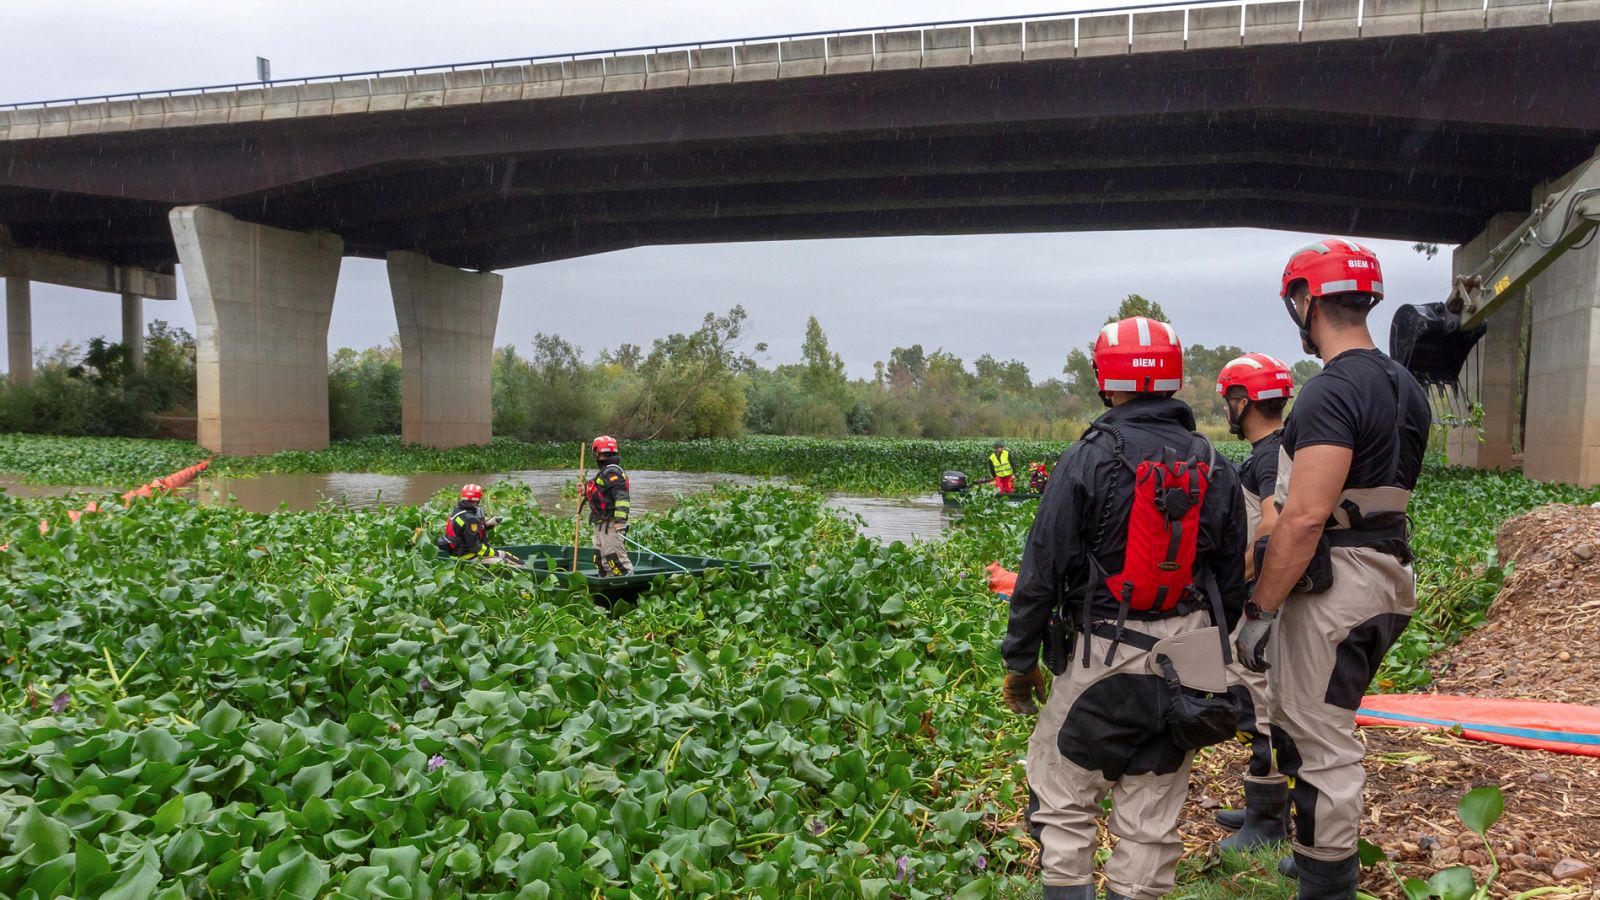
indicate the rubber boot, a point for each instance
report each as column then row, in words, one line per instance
column 1231, row 819
column 1321, row 880
column 1266, row 814
column 1072, row 892
column 1287, row 867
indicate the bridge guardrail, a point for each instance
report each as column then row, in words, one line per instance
column 1160, row 27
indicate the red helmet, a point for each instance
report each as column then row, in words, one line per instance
column 1138, row 354
column 473, row 492
column 605, row 444
column 1334, row 266
column 1263, row 377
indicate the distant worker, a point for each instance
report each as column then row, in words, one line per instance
column 1256, row 387
column 466, row 532
column 1336, row 587
column 1000, row 468
column 1038, row 477
column 607, row 496
column 1131, row 578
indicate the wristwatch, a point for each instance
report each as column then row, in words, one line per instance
column 1252, row 611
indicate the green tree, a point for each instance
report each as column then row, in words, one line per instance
column 824, row 377
column 1136, row 305
column 1303, row 371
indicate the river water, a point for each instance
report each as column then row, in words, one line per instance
column 889, row 519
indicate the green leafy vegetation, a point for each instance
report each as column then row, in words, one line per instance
column 199, row 699
column 203, row 700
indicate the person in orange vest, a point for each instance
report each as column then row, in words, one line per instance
column 609, row 505
column 1000, row 468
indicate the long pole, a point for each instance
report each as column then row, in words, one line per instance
column 577, row 517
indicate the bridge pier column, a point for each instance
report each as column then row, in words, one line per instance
column 1492, row 372
column 1562, row 442
column 19, row 330
column 262, row 298
column 447, row 319
column 133, row 329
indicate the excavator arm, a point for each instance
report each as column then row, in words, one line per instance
column 1434, row 340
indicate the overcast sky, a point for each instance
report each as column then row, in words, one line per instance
column 1030, row 297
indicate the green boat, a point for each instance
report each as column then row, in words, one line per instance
column 956, row 498
column 556, row 559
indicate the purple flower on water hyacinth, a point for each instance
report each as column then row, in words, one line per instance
column 983, row 863
column 903, row 869
column 423, row 684
column 435, row 763
column 60, row 703
column 816, row 827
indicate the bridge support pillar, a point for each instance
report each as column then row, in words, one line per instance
column 262, row 298
column 19, row 330
column 1493, row 371
column 1562, row 442
column 447, row 318
column 133, row 329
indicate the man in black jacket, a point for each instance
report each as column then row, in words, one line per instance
column 1104, row 726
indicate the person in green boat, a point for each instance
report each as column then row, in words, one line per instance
column 466, row 532
column 607, row 496
column 1000, row 468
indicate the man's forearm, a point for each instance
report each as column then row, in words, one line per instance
column 1288, row 553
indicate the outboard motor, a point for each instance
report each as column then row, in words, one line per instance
column 953, row 482
column 1428, row 340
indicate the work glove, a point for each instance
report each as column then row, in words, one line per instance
column 1250, row 646
column 1022, row 688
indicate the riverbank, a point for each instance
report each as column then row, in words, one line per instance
column 880, row 466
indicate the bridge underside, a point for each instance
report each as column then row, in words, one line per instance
column 1419, row 138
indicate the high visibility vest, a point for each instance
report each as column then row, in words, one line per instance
column 1000, row 463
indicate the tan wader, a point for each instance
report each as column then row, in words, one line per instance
column 1254, row 683
column 1323, row 657
column 610, row 551
column 1149, row 777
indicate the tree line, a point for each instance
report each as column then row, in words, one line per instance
column 703, row 383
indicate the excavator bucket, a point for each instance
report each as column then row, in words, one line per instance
column 1428, row 340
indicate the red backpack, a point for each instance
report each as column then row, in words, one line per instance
column 1163, row 530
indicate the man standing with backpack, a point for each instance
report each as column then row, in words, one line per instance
column 1131, row 579
column 1336, row 584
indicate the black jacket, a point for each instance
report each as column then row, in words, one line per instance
column 1055, row 558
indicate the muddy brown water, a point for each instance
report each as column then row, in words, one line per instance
column 889, row 519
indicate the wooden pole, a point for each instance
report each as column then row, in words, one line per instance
column 577, row 517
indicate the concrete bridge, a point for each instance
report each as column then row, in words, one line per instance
column 1418, row 120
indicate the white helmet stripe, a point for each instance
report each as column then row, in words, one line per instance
column 1273, row 359
column 1270, row 394
column 1340, row 287
column 1377, row 287
column 1121, row 384
column 1172, row 336
column 1167, row 384
column 1110, row 333
column 1245, row 361
column 1143, row 325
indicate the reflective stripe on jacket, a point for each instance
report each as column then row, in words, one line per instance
column 1000, row 463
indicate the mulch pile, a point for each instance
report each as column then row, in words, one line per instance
column 1542, row 643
